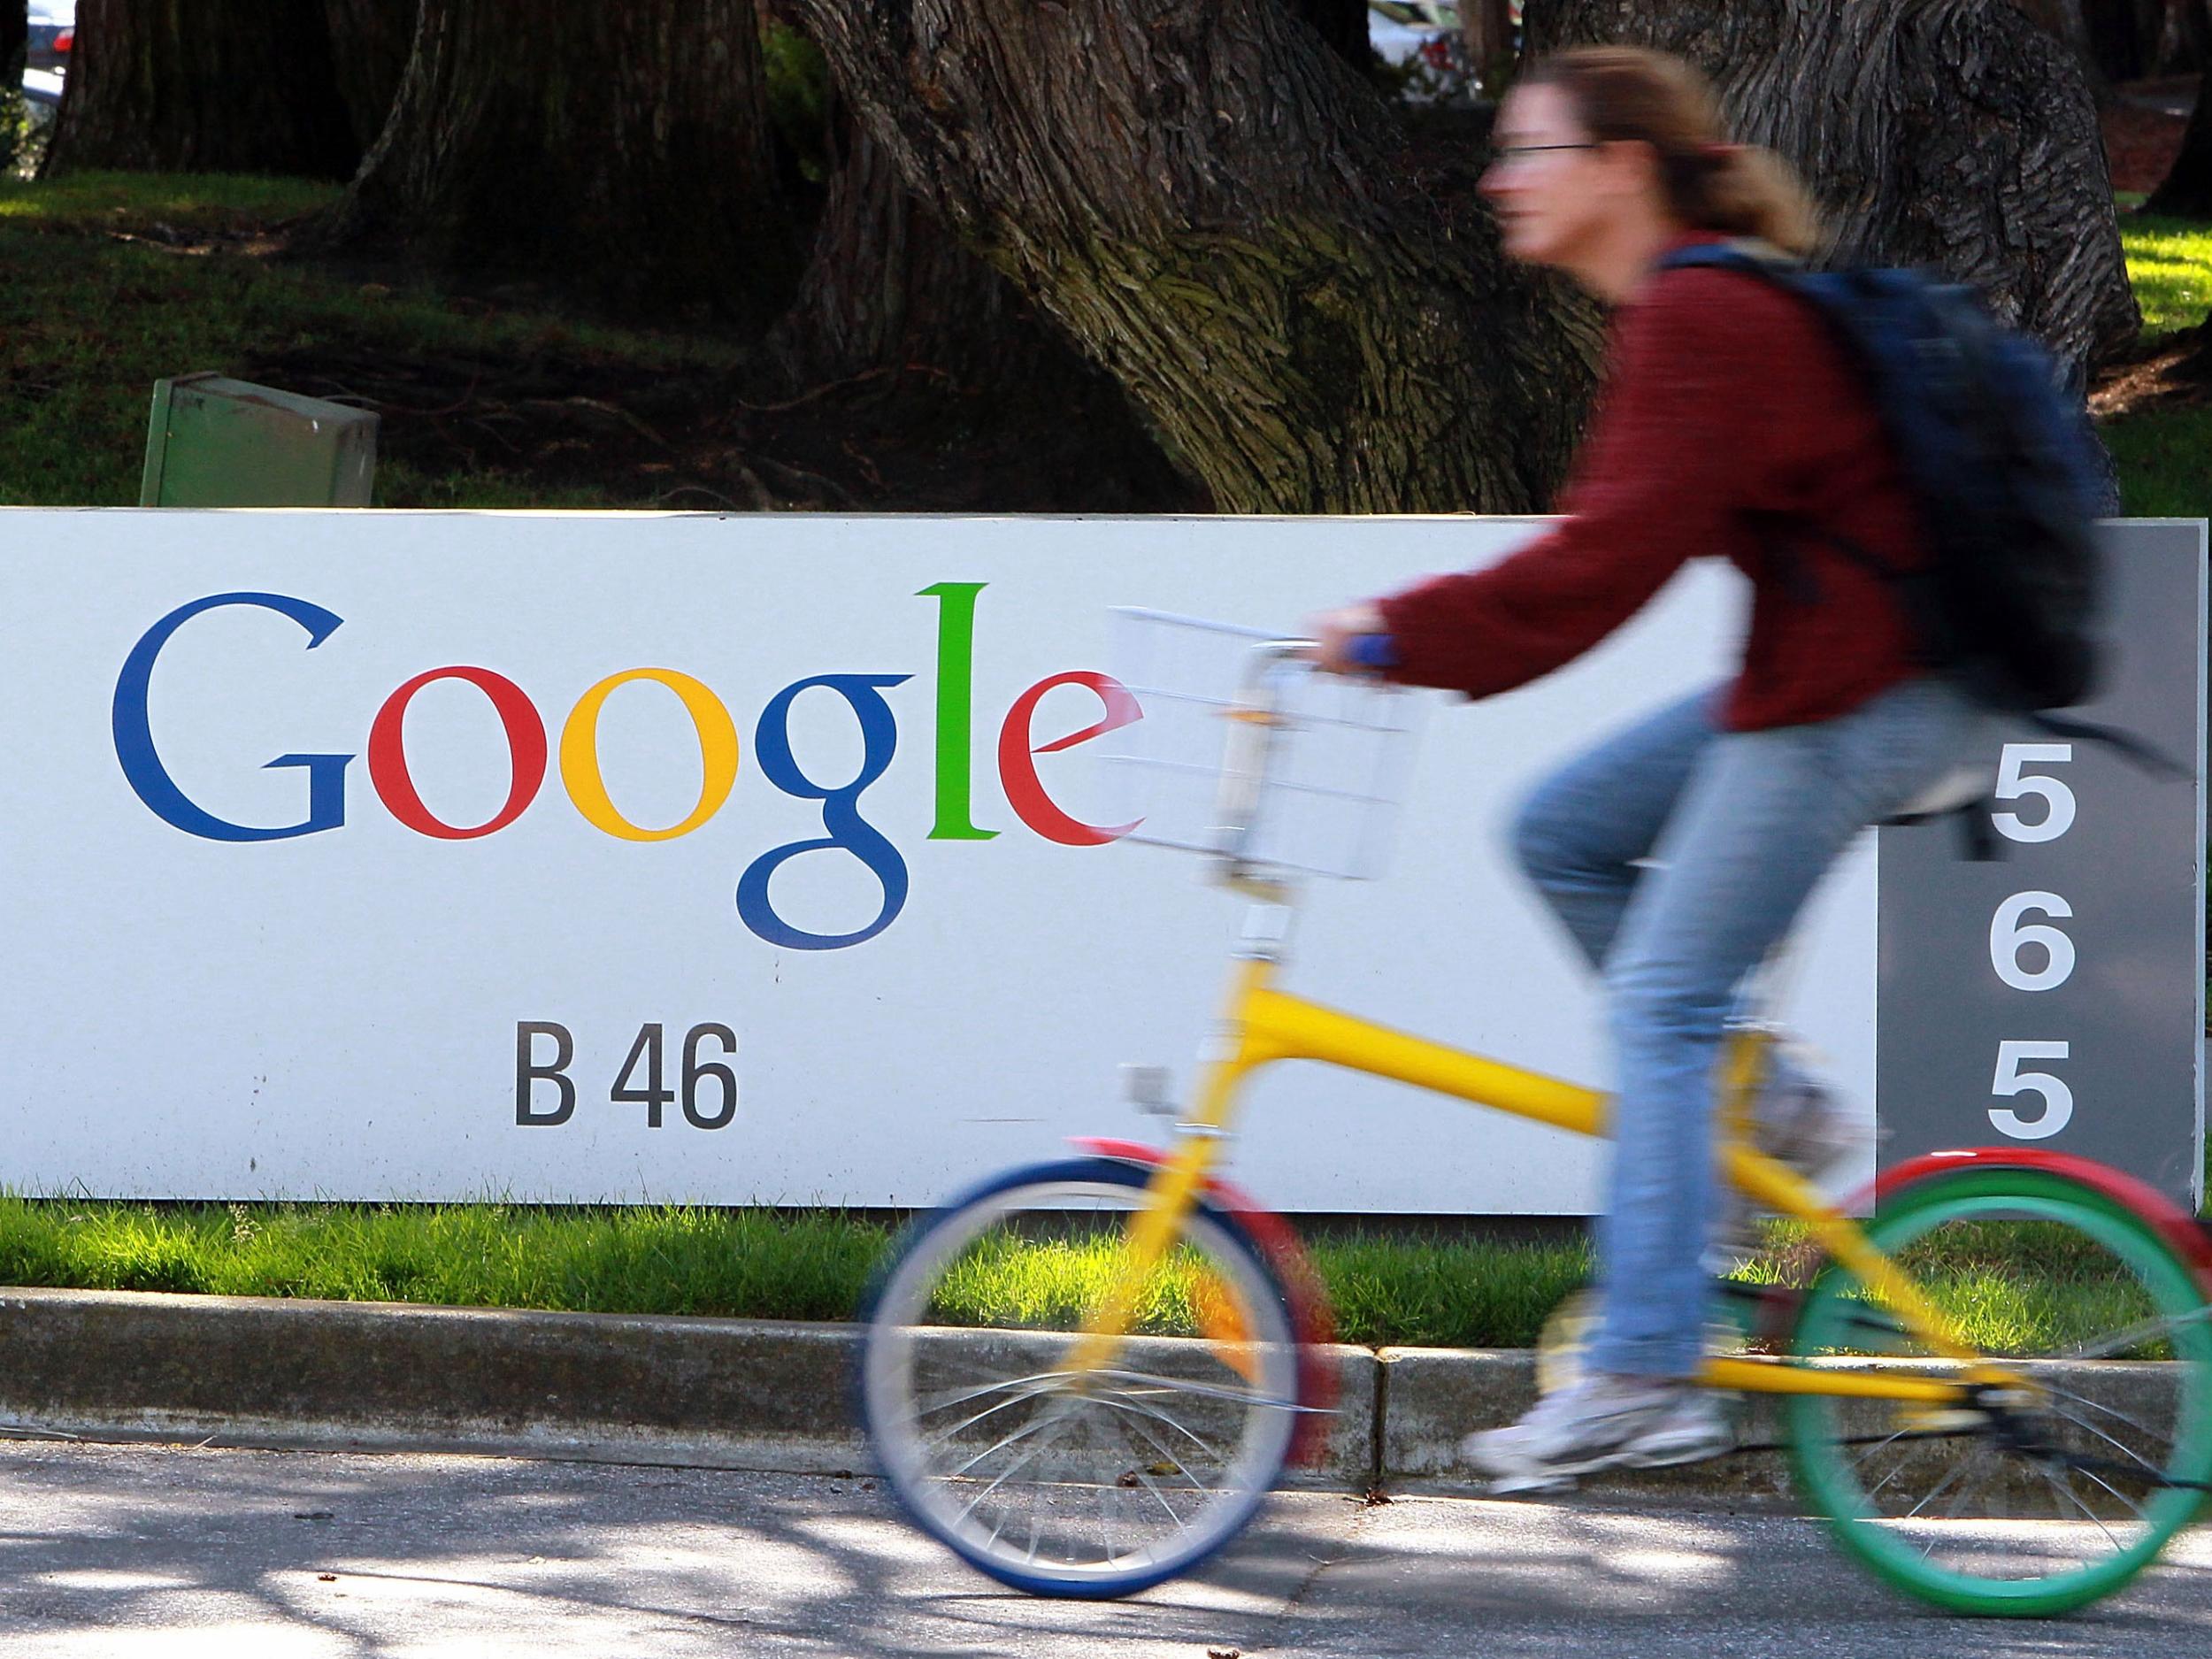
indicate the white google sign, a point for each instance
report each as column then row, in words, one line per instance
column 728, row 859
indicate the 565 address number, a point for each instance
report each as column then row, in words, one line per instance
column 705, row 1086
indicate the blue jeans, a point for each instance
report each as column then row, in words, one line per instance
column 1738, row 828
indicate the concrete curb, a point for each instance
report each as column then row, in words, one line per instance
column 727, row 1394
column 242, row 1370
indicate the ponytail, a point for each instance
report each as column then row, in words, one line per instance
column 1628, row 93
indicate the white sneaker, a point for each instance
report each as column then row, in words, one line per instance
column 1600, row 1421
column 1797, row 1120
column 1800, row 1122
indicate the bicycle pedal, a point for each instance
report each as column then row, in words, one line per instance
column 1941, row 1419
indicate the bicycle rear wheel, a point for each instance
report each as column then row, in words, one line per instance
column 2029, row 1501
column 1062, row 1484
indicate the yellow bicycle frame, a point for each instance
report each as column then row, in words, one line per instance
column 1262, row 1024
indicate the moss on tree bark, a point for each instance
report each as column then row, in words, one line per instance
column 1220, row 213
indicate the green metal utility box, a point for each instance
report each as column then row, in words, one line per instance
column 220, row 442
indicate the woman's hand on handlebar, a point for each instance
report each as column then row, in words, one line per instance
column 1334, row 632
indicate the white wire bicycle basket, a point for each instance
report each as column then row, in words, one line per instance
column 1255, row 756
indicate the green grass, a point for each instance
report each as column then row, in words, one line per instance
column 115, row 281
column 1383, row 1291
column 659, row 1260
column 1394, row 1290
column 2165, row 462
column 2170, row 266
column 128, row 201
column 2160, row 451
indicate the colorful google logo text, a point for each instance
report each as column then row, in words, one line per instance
column 531, row 755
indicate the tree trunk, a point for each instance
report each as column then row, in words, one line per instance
column 2182, row 30
column 887, row 287
column 370, row 42
column 2130, row 40
column 1488, row 27
column 1954, row 133
column 223, row 86
column 1221, row 214
column 621, row 153
column 2186, row 191
column 15, row 41
column 1342, row 27
column 2068, row 20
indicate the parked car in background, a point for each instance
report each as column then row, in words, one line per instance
column 1422, row 47
column 1407, row 34
column 53, row 32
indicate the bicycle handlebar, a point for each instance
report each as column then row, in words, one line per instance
column 1255, row 718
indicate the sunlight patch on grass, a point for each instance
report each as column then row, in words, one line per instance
column 2169, row 265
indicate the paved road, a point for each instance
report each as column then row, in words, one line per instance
column 229, row 1555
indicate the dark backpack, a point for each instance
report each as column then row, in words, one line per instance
column 2007, row 473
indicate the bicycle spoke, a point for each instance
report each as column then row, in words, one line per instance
column 1091, row 1482
column 1203, row 1391
column 1021, row 1433
column 2069, row 1493
column 2122, row 1446
column 931, row 1404
column 1872, row 1452
column 1006, row 1474
column 2134, row 1333
column 2139, row 1513
column 945, row 1435
column 2037, row 1501
column 1181, row 1467
column 1936, row 1492
column 2098, row 1405
column 1162, row 1417
column 1982, row 1459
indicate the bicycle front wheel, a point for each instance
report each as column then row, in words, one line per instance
column 1060, row 1483
column 2027, row 1499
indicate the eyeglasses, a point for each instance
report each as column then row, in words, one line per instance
column 1516, row 155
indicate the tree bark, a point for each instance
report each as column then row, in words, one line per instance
column 2182, row 30
column 1342, row 27
column 2186, row 190
column 2068, row 20
column 2126, row 38
column 15, row 41
column 1952, row 134
column 1221, row 214
column 223, row 86
column 369, row 43
column 618, row 152
column 1488, row 27
column 888, row 288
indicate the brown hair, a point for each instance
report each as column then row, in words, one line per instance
column 1625, row 92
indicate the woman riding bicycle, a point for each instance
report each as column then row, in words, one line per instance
column 1680, row 850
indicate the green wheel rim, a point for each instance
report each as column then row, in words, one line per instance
column 1830, row 1470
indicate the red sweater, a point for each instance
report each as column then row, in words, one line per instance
column 1723, row 398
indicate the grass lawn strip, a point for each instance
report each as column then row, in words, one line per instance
column 1396, row 1290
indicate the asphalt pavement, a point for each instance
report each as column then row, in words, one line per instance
column 134, row 1550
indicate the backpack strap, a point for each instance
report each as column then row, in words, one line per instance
column 2151, row 759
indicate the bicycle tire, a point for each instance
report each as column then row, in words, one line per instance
column 2077, row 1484
column 1192, row 1427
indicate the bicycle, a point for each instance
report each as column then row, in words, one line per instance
column 1129, row 1417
